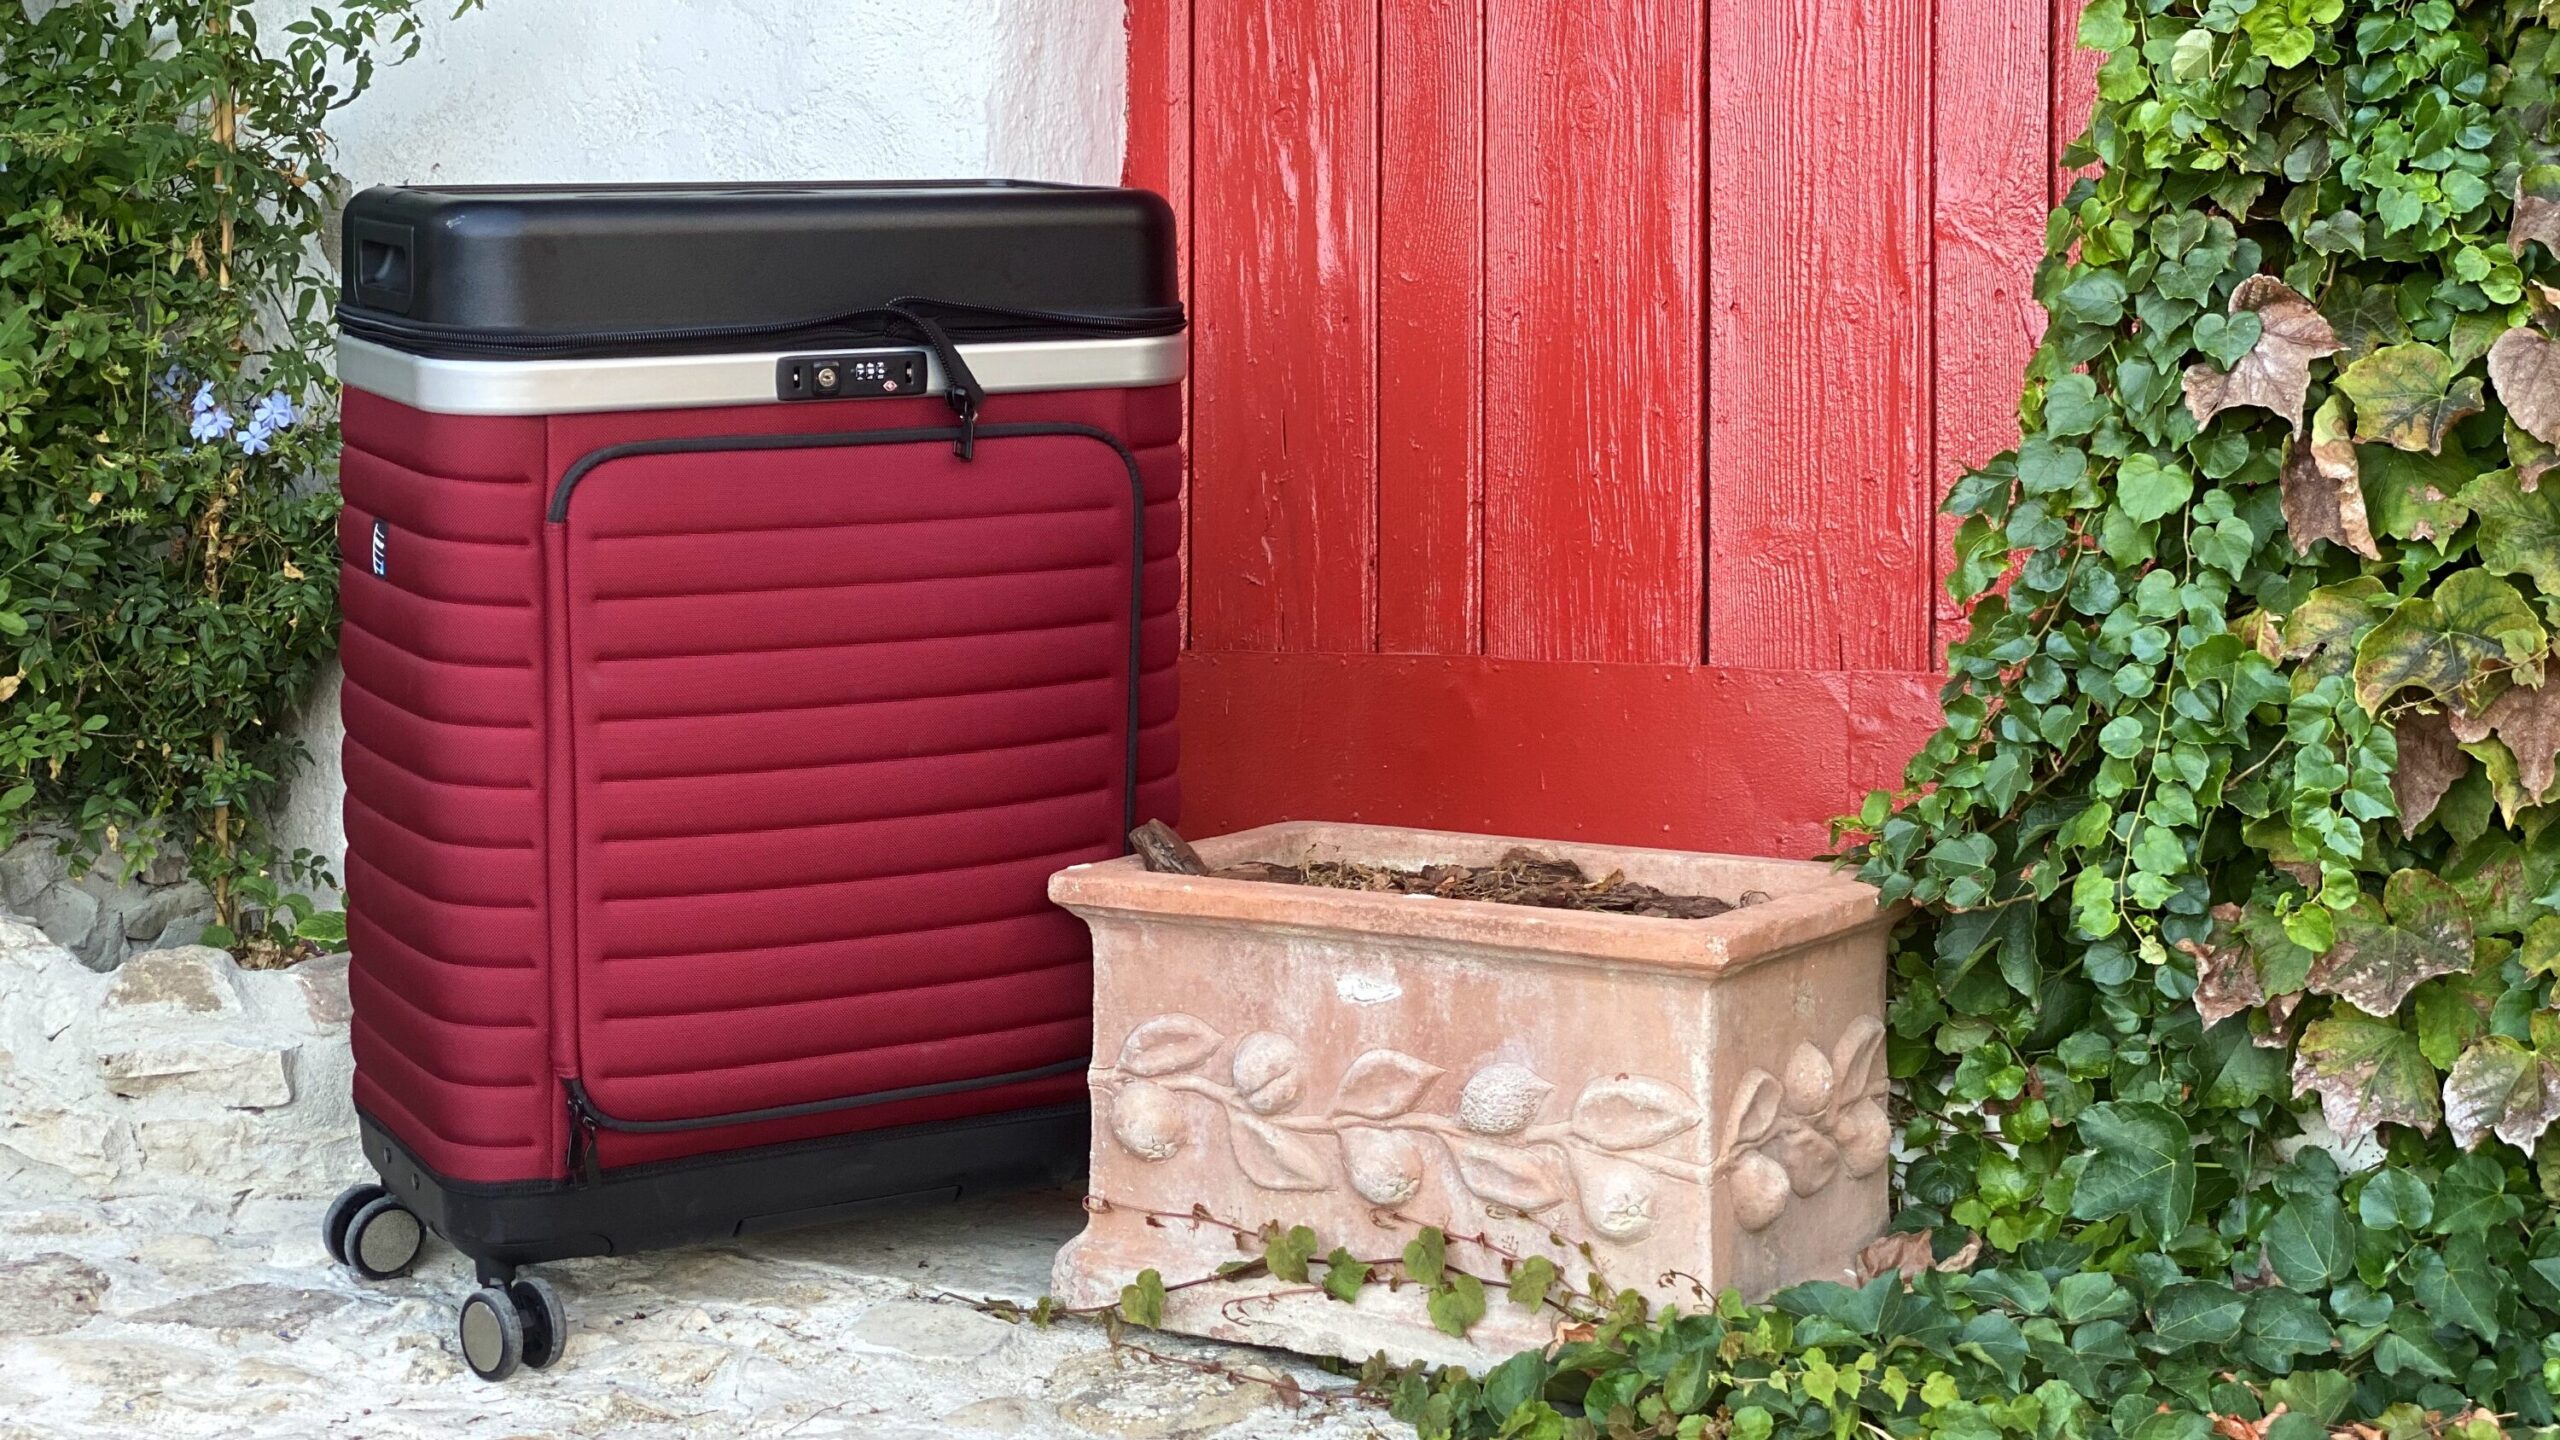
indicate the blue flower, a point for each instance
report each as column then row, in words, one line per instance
column 274, row 413
column 211, row 421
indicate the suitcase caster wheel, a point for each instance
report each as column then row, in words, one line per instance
column 546, row 1325
column 382, row 1239
column 333, row 1221
column 492, row 1333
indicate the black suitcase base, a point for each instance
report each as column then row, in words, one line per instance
column 720, row 1197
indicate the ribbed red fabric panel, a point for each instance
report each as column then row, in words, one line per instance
column 445, row 864
column 826, row 720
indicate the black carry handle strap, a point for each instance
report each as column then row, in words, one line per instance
column 959, row 386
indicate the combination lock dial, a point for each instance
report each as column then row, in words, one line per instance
column 870, row 373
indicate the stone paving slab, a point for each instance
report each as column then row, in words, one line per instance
column 175, row 1316
column 169, row 1135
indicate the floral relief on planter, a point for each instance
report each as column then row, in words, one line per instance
column 1698, row 1101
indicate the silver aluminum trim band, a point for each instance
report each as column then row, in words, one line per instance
column 674, row 382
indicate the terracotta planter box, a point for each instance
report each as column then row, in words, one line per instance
column 1700, row 1101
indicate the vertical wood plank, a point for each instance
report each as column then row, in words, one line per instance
column 1284, row 212
column 1159, row 159
column 1993, row 168
column 1592, row 443
column 2074, row 88
column 1819, row 339
column 1430, row 324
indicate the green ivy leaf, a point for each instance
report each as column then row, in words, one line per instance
column 2148, row 488
column 1142, row 1301
column 2408, row 396
column 2320, row 1396
column 1344, row 1275
column 2396, row 1200
column 1286, row 1252
column 1426, row 1256
column 2416, row 496
column 2310, row 1242
column 2519, row 529
column 2459, row 1286
column 2197, row 1312
column 2104, row 26
column 2472, row 1197
column 2072, row 406
column 2143, row 1165
column 2282, row 1326
column 1457, row 1304
column 1531, row 1282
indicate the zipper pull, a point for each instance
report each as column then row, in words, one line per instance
column 582, row 1138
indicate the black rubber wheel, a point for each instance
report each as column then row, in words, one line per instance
column 383, row 1239
column 546, row 1324
column 333, row 1221
column 492, row 1333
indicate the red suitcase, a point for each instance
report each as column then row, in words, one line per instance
column 751, row 595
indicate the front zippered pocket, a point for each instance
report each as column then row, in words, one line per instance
column 838, row 705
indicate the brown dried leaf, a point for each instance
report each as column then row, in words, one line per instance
column 2233, row 1427
column 2279, row 1034
column 2499, row 1086
column 2226, row 977
column 2431, row 759
column 2376, row 962
column 1966, row 1254
column 2324, row 486
column 1913, row 1253
column 2276, row 373
column 2525, row 368
column 2537, row 215
column 2528, row 719
column 1908, row 1253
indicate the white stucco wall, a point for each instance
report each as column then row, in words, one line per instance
column 537, row 90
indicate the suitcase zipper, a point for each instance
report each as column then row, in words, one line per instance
column 582, row 1136
column 586, row 1117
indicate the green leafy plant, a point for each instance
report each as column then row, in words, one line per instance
column 2226, row 1020
column 2236, row 840
column 168, row 567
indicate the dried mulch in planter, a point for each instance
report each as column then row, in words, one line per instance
column 1521, row 877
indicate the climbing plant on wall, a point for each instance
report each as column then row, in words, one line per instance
column 2239, row 826
column 167, row 557
column 2226, row 1029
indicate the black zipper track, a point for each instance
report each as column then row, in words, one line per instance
column 584, row 1115
column 900, row 317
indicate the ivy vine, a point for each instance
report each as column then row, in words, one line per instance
column 168, row 565
column 2227, row 1033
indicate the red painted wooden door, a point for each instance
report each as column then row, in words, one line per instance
column 1573, row 382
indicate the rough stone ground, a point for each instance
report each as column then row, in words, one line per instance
column 169, row 1135
column 209, row 1316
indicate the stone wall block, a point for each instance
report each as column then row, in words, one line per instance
column 195, row 980
column 233, row 1075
